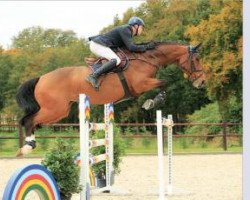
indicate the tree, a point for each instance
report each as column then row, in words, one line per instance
column 36, row 39
column 221, row 36
column 5, row 67
column 1, row 49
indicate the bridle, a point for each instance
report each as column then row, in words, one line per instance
column 191, row 52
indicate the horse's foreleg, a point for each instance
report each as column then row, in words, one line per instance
column 162, row 83
column 151, row 83
column 151, row 103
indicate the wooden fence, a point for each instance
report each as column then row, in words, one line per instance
column 10, row 128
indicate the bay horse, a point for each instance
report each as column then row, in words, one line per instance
column 48, row 98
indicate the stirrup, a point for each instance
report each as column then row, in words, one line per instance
column 93, row 81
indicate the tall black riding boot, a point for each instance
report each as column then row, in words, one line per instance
column 93, row 78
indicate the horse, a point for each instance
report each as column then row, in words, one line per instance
column 48, row 98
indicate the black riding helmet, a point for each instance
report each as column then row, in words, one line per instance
column 136, row 20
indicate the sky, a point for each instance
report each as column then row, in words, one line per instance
column 85, row 18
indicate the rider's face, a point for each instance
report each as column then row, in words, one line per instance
column 140, row 29
column 137, row 30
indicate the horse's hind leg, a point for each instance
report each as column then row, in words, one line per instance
column 44, row 116
column 48, row 116
column 30, row 142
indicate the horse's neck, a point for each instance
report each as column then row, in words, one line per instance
column 162, row 55
column 149, row 62
column 172, row 53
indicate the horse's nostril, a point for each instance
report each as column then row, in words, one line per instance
column 202, row 84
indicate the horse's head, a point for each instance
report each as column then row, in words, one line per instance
column 191, row 66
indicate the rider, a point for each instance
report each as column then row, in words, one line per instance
column 121, row 36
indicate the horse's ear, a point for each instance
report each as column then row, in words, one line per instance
column 197, row 46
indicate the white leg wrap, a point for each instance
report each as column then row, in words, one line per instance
column 33, row 137
column 26, row 149
column 30, row 138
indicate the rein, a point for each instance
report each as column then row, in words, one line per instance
column 191, row 52
column 154, row 65
column 136, row 58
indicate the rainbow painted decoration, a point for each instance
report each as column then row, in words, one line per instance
column 87, row 107
column 111, row 112
column 32, row 178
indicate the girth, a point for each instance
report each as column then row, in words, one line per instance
column 127, row 93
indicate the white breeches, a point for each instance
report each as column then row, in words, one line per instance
column 103, row 51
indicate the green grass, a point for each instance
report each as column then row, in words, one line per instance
column 187, row 145
column 9, row 147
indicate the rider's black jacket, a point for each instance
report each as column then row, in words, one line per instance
column 119, row 37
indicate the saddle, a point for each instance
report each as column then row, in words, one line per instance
column 95, row 63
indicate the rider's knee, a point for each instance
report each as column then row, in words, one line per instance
column 118, row 61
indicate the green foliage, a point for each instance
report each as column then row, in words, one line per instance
column 235, row 110
column 221, row 36
column 119, row 149
column 36, row 39
column 5, row 68
column 60, row 161
column 208, row 114
column 44, row 143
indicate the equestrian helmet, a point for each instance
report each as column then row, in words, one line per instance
column 136, row 20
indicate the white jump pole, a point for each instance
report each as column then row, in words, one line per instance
column 160, row 155
column 170, row 154
column 169, row 124
column 84, row 145
column 109, row 110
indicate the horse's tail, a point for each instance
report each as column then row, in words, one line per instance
column 25, row 98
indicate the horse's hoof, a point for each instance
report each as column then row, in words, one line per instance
column 148, row 104
column 26, row 149
column 19, row 153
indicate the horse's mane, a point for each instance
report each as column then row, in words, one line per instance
column 157, row 43
column 166, row 42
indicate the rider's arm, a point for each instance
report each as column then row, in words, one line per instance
column 126, row 36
